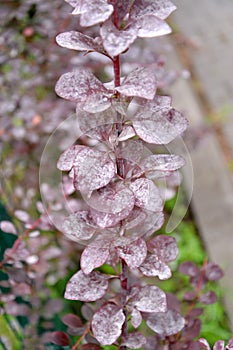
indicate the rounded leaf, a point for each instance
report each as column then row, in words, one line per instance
column 147, row 195
column 8, row 227
column 94, row 255
column 166, row 323
column 153, row 266
column 150, row 299
column 134, row 253
column 77, row 41
column 60, row 338
column 107, row 323
column 86, row 287
column 79, row 226
column 134, row 340
column 72, row 320
column 159, row 165
column 164, row 246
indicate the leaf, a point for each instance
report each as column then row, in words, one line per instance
column 219, row 345
column 132, row 151
column 150, row 299
column 114, row 204
column 72, row 320
column 116, row 41
column 107, row 323
column 151, row 26
column 133, row 340
column 213, row 272
column 136, row 318
column 159, row 8
column 67, row 158
column 93, row 169
column 147, row 195
column 93, row 12
column 164, row 246
column 91, row 346
column 158, row 124
column 86, row 287
column 189, row 268
column 153, row 266
column 83, row 87
column 140, row 82
column 77, row 41
column 122, row 7
column 79, row 226
column 136, row 217
column 166, row 323
column 127, row 133
column 159, row 165
column 204, row 342
column 95, row 255
column 60, row 338
column 8, row 227
column 208, row 298
column 134, row 253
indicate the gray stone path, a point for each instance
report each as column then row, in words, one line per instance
column 209, row 24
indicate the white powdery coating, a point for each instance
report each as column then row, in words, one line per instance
column 159, row 8
column 94, row 11
column 78, row 226
column 86, row 287
column 8, row 227
column 107, row 323
column 67, row 158
column 77, row 41
column 153, row 266
column 140, row 82
column 151, row 26
column 150, row 299
column 134, row 253
column 132, row 151
column 136, row 318
column 164, row 246
column 159, row 165
column 93, row 169
column 134, row 340
column 147, row 195
column 136, row 217
column 94, row 255
column 116, row 41
column 166, row 323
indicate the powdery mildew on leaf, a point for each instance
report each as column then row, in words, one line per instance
column 107, row 323
column 147, row 195
column 136, row 217
column 134, row 340
column 136, row 318
column 159, row 165
column 77, row 41
column 86, row 287
column 164, row 246
column 133, row 253
column 116, row 41
column 166, row 323
column 93, row 169
column 159, row 8
column 153, row 266
column 67, row 158
column 150, row 26
column 150, row 299
column 95, row 255
column 122, row 7
column 140, row 82
column 158, row 124
column 83, row 87
column 79, row 226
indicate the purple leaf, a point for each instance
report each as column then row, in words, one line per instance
column 147, row 195
column 166, row 323
column 189, row 268
column 133, row 340
column 79, row 226
column 116, row 41
column 164, row 246
column 77, row 41
column 122, row 7
column 159, row 165
column 8, row 227
column 140, row 82
column 72, row 320
column 60, row 338
column 136, row 318
column 158, row 124
column 113, row 205
column 83, row 87
column 151, row 224
column 127, row 133
column 107, row 323
column 205, row 343
column 159, row 8
column 134, row 253
column 93, row 12
column 213, row 272
column 192, row 329
column 86, row 287
column 91, row 346
column 219, row 345
column 93, row 169
column 67, row 158
column 95, row 255
column 22, row 215
column 208, row 298
column 136, row 217
column 132, row 151
column 153, row 266
column 230, row 343
column 150, row 26
column 150, row 299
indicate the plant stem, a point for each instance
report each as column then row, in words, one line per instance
column 124, row 287
column 117, row 70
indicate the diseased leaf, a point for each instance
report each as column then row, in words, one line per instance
column 116, row 41
column 83, row 87
column 157, row 124
column 219, row 345
column 60, row 338
column 140, row 82
column 153, row 266
column 8, row 227
column 164, row 246
column 77, row 41
column 151, row 26
column 159, row 165
column 159, row 8
column 107, row 323
column 147, row 195
column 132, row 151
column 208, row 298
column 122, row 7
column 79, row 226
column 189, row 268
column 213, row 272
column 134, row 340
column 166, row 323
column 67, row 158
column 136, row 318
column 134, row 253
column 136, row 217
column 150, row 299
column 127, row 133
column 91, row 346
column 93, row 12
column 86, row 287
column 93, row 169
column 95, row 255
